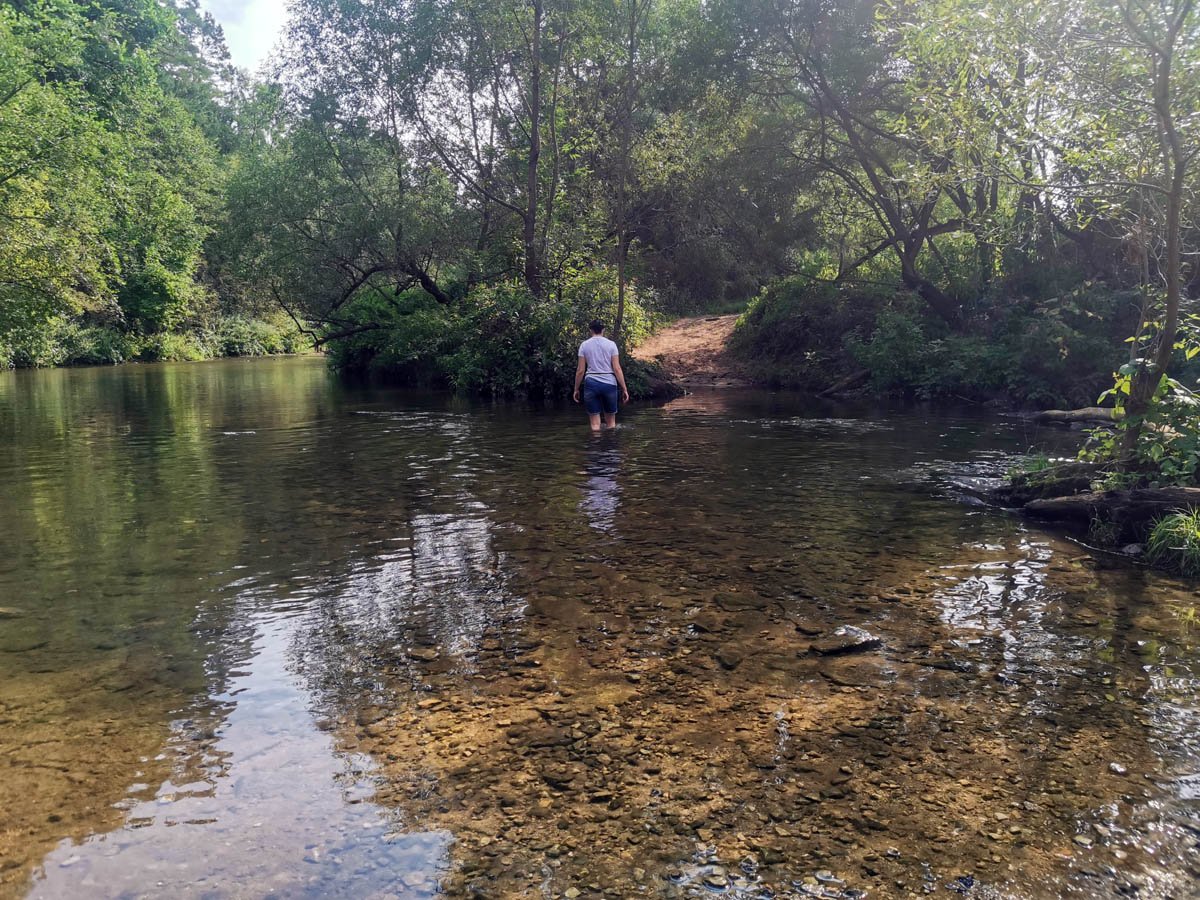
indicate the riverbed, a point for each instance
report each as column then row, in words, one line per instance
column 263, row 634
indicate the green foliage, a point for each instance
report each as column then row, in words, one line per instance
column 501, row 340
column 169, row 346
column 793, row 332
column 105, row 180
column 1167, row 446
column 1056, row 351
column 898, row 354
column 1162, row 445
column 1174, row 542
column 1050, row 353
column 236, row 336
column 1032, row 466
column 67, row 342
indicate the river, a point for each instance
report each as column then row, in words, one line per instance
column 263, row 634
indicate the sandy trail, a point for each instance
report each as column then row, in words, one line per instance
column 695, row 352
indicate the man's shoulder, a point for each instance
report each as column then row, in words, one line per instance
column 610, row 345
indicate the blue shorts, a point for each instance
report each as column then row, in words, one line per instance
column 599, row 396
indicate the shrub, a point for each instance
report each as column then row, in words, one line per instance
column 1167, row 449
column 172, row 347
column 236, row 336
column 1052, row 353
column 497, row 340
column 95, row 345
column 795, row 332
column 1174, row 542
column 30, row 347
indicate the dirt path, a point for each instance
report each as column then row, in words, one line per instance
column 695, row 353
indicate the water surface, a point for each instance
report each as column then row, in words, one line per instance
column 262, row 634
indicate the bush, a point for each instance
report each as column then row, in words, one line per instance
column 65, row 342
column 170, row 347
column 498, row 340
column 1167, row 448
column 96, row 345
column 794, row 333
column 1052, row 353
column 1174, row 542
column 32, row 347
column 807, row 332
column 236, row 336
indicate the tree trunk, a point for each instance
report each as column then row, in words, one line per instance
column 622, row 253
column 533, row 274
column 627, row 104
column 1146, row 380
column 939, row 301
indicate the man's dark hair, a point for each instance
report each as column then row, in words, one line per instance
column 597, row 326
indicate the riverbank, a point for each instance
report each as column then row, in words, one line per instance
column 71, row 342
column 694, row 352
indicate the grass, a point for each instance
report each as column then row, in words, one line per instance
column 1031, row 465
column 1174, row 542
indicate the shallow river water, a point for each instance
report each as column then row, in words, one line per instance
column 266, row 635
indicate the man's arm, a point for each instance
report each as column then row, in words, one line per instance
column 579, row 370
column 616, row 366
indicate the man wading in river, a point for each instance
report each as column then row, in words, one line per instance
column 598, row 361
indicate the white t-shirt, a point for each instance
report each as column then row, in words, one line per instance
column 599, row 351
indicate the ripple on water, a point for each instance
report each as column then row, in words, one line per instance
column 393, row 644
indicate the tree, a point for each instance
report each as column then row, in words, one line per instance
column 840, row 79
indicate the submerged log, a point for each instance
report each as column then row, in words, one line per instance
column 1131, row 512
column 1089, row 415
column 849, row 383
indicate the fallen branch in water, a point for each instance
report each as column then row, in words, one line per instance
column 1088, row 415
column 846, row 384
column 1130, row 511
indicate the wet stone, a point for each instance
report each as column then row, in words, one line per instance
column 730, row 658
column 846, row 640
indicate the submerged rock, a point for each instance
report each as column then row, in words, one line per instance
column 847, row 639
column 729, row 658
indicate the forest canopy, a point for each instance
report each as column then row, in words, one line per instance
column 978, row 198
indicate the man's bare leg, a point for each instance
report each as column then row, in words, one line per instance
column 610, row 420
column 594, row 421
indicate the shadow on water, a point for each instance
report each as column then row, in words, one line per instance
column 263, row 634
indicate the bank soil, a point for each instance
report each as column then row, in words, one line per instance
column 695, row 352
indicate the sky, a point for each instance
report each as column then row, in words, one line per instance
column 251, row 27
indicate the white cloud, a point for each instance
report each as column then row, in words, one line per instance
column 251, row 27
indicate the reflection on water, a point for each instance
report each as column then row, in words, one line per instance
column 265, row 635
column 255, row 796
column 602, row 489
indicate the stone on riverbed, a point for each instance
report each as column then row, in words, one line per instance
column 729, row 658
column 847, row 639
